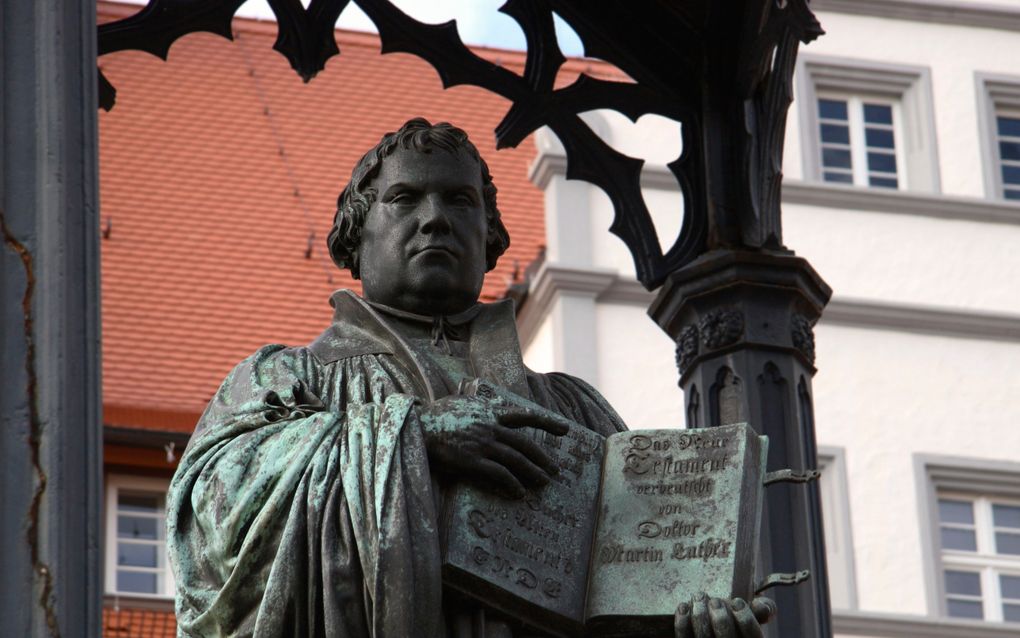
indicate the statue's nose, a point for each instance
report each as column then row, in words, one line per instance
column 434, row 216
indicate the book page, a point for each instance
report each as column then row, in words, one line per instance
column 679, row 509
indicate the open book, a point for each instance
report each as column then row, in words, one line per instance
column 632, row 525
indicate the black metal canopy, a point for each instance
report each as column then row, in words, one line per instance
column 722, row 69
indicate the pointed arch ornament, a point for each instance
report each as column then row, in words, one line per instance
column 723, row 70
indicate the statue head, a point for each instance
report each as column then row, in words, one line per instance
column 418, row 222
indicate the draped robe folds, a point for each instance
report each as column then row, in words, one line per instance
column 304, row 505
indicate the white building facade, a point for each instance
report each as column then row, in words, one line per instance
column 902, row 188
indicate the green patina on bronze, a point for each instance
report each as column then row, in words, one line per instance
column 320, row 485
column 305, row 499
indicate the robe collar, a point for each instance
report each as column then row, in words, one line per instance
column 442, row 328
column 360, row 328
column 458, row 319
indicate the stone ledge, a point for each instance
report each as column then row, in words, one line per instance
column 971, row 209
column 609, row 287
column 922, row 319
column 127, row 601
column 877, row 625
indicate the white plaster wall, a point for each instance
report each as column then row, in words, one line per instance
column 637, row 373
column 954, row 54
column 885, row 396
column 539, row 353
column 568, row 237
column 636, row 369
column 868, row 255
column 909, row 259
column 608, row 250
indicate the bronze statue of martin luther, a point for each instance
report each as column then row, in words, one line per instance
column 306, row 503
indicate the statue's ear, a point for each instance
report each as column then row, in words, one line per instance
column 354, row 263
column 345, row 232
column 497, row 240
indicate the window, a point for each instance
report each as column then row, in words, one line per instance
column 858, row 140
column 136, row 558
column 974, row 512
column 1007, row 125
column 980, row 543
column 867, row 124
column 1000, row 124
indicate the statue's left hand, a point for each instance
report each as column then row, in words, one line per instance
column 705, row 617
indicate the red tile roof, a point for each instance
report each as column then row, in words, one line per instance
column 219, row 169
column 138, row 623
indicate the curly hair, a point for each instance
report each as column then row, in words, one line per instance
column 357, row 197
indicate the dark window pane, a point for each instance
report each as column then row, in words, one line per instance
column 967, row 583
column 884, row 182
column 1009, row 126
column 883, row 162
column 879, row 138
column 137, row 503
column 1011, row 613
column 840, row 178
column 1012, row 194
column 877, row 114
column 1011, row 174
column 1007, row 543
column 956, row 511
column 835, row 134
column 138, row 527
column 832, row 109
column 139, row 582
column 835, row 158
column 958, row 539
column 964, row 609
column 135, row 555
column 1010, row 586
column 1009, row 150
column 1006, row 515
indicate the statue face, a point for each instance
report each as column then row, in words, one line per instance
column 423, row 242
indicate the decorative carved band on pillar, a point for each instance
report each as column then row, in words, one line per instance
column 742, row 322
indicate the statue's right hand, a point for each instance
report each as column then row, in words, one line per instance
column 478, row 439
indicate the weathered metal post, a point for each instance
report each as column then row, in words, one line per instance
column 742, row 313
column 742, row 322
column 50, row 412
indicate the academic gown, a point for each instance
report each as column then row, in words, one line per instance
column 303, row 505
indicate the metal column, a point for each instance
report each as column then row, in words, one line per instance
column 50, row 411
column 743, row 323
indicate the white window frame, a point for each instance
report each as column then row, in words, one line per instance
column 908, row 88
column 858, row 145
column 982, row 482
column 116, row 483
column 996, row 94
column 839, row 545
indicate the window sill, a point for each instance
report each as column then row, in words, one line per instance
column 901, row 202
column 139, row 601
column 878, row 625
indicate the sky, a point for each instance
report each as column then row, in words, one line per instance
column 478, row 21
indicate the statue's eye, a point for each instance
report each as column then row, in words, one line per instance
column 403, row 197
column 462, row 199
